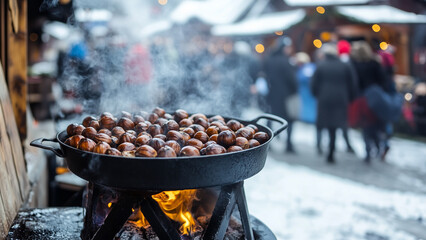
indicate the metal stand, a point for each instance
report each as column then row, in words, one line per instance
column 229, row 196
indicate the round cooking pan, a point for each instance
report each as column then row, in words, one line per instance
column 160, row 174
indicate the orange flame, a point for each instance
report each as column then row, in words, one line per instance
column 177, row 206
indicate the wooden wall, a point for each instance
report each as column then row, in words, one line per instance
column 14, row 185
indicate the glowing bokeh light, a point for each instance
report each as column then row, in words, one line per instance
column 408, row 96
column 320, row 10
column 325, row 36
column 33, row 37
column 317, row 43
column 162, row 2
column 376, row 27
column 259, row 48
column 383, row 45
column 279, row 33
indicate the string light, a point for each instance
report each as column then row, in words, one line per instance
column 320, row 10
column 162, row 2
column 259, row 48
column 408, row 96
column 317, row 43
column 383, row 45
column 376, row 27
column 325, row 36
column 279, row 33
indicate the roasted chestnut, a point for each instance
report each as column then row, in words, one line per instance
column 185, row 136
column 209, row 142
column 107, row 114
column 234, row 125
column 126, row 123
column 176, row 136
column 95, row 124
column 197, row 127
column 161, row 136
column 214, row 149
column 217, row 123
column 261, row 137
column 113, row 151
column 157, row 143
column 224, row 128
column 87, row 120
column 126, row 146
column 196, row 116
column 189, row 131
column 126, row 114
column 144, row 133
column 143, row 114
column 212, row 130
column 254, row 127
column 101, row 147
column 114, row 141
column 170, row 125
column 175, row 145
column 106, row 131
column 202, row 122
column 213, row 137
column 138, row 119
column 74, row 140
column 185, row 122
column 154, row 129
column 189, row 151
column 143, row 140
column 89, row 132
column 245, row 132
column 168, row 116
column 166, row 151
column 234, row 149
column 203, row 151
column 253, row 143
column 161, row 121
column 86, row 144
column 132, row 132
column 68, row 141
column 102, row 137
column 107, row 122
column 140, row 127
column 202, row 136
column 180, row 114
column 126, row 137
column 195, row 143
column 78, row 130
column 159, row 111
column 152, row 117
column 117, row 131
column 216, row 118
column 242, row 142
column 145, row 151
column 128, row 153
column 226, row 138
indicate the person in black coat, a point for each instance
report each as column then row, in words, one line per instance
column 281, row 77
column 333, row 86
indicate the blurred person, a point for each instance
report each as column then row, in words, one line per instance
column 332, row 86
column 370, row 73
column 305, row 70
column 419, row 108
column 282, row 81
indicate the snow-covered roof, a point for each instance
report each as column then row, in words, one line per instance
column 92, row 15
column 380, row 14
column 264, row 24
column 210, row 11
column 323, row 2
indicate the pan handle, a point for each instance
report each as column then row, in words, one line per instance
column 271, row 117
column 39, row 143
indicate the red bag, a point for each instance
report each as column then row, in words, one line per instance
column 359, row 114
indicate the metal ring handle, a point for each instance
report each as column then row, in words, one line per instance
column 273, row 118
column 39, row 143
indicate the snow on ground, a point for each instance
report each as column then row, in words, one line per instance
column 299, row 203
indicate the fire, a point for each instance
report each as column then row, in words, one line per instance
column 177, row 206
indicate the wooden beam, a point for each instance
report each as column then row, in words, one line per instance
column 16, row 65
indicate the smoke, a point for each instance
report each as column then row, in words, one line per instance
column 123, row 66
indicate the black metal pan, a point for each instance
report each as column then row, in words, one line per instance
column 160, row 174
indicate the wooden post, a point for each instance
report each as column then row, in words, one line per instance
column 16, row 60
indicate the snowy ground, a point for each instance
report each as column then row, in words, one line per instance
column 301, row 197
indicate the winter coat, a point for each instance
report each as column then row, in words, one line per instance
column 333, row 85
column 282, row 82
column 369, row 73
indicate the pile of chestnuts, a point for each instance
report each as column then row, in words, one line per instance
column 159, row 134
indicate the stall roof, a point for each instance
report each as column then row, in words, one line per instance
column 264, row 24
column 323, row 2
column 210, row 11
column 92, row 15
column 380, row 14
